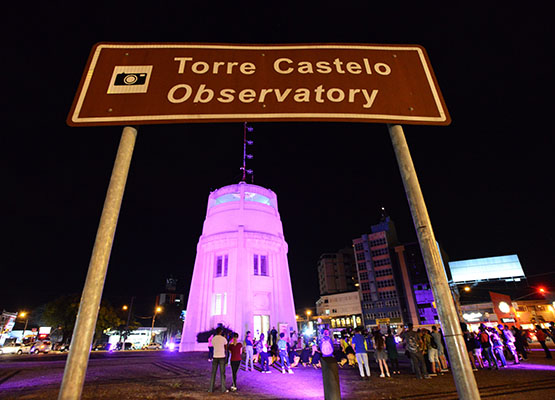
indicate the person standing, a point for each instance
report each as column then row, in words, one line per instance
column 470, row 346
column 262, row 350
column 235, row 359
column 249, row 350
column 381, row 354
column 210, row 348
column 414, row 347
column 284, row 357
column 361, row 355
column 497, row 347
column 437, row 336
column 433, row 351
column 519, row 342
column 392, row 354
column 219, row 343
column 509, row 341
column 273, row 336
column 541, row 336
column 487, row 351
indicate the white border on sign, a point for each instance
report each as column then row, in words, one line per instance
column 241, row 117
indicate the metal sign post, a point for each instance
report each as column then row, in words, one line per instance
column 76, row 365
column 460, row 363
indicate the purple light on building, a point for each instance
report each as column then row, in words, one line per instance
column 425, row 300
column 241, row 275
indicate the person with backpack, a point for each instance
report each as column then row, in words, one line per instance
column 438, row 338
column 361, row 356
column 433, row 356
column 413, row 346
column 326, row 344
column 487, row 351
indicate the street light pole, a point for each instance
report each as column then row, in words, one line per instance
column 465, row 381
column 24, row 314
column 157, row 310
column 128, row 319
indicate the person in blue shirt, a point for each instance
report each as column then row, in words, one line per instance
column 284, row 357
column 249, row 349
column 360, row 352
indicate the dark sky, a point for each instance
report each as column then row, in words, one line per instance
column 487, row 178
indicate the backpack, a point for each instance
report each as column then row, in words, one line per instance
column 484, row 339
column 412, row 344
column 327, row 348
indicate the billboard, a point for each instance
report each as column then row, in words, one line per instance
column 490, row 268
column 154, row 83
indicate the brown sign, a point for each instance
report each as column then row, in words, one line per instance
column 154, row 83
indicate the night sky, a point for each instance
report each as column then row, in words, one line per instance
column 487, row 178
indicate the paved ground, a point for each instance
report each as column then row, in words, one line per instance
column 162, row 375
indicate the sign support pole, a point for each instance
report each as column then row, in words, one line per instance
column 76, row 365
column 460, row 363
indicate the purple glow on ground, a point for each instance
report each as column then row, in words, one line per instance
column 528, row 366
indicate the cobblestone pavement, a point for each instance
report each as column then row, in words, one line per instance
column 162, row 375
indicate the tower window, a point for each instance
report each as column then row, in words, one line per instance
column 219, row 304
column 260, row 264
column 222, row 263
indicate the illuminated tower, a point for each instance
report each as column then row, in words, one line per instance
column 241, row 274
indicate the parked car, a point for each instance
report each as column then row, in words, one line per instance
column 15, row 348
column 103, row 346
column 153, row 346
column 59, row 346
column 41, row 346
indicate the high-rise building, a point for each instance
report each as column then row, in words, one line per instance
column 337, row 272
column 241, row 276
column 377, row 285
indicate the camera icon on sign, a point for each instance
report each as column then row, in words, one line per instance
column 130, row 79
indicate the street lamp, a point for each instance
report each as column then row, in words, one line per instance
column 24, row 314
column 308, row 312
column 156, row 311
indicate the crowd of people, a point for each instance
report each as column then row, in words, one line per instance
column 488, row 348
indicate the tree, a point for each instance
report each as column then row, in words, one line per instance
column 62, row 312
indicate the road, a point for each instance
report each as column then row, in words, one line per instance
column 164, row 375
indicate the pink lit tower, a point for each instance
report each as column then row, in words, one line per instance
column 241, row 275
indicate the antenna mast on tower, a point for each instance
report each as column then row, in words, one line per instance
column 246, row 156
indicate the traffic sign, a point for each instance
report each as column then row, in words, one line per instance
column 151, row 83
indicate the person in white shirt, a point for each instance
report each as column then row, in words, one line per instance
column 219, row 343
